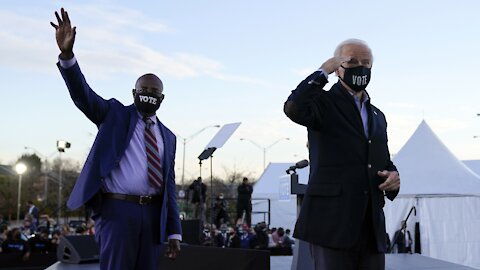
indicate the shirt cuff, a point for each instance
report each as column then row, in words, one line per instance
column 67, row 63
column 175, row 236
column 323, row 72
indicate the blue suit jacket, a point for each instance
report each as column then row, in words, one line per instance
column 116, row 124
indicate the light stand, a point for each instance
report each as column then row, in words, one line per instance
column 20, row 168
column 208, row 153
column 61, row 146
column 217, row 142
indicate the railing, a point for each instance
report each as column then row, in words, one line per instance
column 186, row 208
column 260, row 200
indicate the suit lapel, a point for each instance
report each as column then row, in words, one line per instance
column 375, row 121
column 348, row 108
column 133, row 123
column 372, row 113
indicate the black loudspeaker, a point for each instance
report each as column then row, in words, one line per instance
column 78, row 249
column 192, row 231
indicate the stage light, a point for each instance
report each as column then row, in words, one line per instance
column 62, row 145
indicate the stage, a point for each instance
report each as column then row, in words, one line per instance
column 393, row 262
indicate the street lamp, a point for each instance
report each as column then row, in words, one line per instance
column 20, row 168
column 61, row 146
column 264, row 149
column 188, row 139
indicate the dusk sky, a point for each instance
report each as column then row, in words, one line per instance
column 237, row 61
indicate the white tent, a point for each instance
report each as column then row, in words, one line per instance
column 446, row 195
column 473, row 164
column 274, row 186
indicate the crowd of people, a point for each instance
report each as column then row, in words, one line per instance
column 226, row 232
column 37, row 233
column 41, row 233
column 259, row 236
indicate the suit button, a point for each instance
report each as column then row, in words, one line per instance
column 369, row 166
column 365, row 192
column 369, row 141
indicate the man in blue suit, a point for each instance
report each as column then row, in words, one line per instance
column 128, row 180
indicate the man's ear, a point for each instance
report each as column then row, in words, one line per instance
column 337, row 72
column 162, row 96
column 133, row 92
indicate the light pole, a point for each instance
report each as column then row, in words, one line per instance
column 185, row 141
column 20, row 168
column 61, row 146
column 264, row 149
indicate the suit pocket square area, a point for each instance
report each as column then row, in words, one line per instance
column 324, row 189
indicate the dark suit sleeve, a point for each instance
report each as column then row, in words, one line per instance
column 173, row 220
column 306, row 105
column 390, row 167
column 91, row 104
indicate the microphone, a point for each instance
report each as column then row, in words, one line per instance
column 299, row 165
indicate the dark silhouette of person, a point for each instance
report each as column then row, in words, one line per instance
column 244, row 201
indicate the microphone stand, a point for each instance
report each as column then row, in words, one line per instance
column 403, row 228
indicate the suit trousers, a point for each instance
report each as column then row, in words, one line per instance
column 128, row 235
column 362, row 256
column 247, row 207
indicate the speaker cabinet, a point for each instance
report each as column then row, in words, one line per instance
column 78, row 249
column 192, row 231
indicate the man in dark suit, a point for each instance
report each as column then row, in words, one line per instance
column 244, row 201
column 128, row 179
column 199, row 196
column 350, row 168
column 403, row 240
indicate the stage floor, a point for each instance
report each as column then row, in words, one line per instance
column 393, row 262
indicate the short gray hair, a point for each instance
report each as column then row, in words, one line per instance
column 351, row 41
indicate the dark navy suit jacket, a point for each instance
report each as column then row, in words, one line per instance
column 116, row 124
column 344, row 163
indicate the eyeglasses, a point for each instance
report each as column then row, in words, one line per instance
column 145, row 91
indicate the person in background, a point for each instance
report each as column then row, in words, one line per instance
column 220, row 210
column 15, row 244
column 199, row 196
column 40, row 243
column 33, row 210
column 3, row 234
column 244, row 201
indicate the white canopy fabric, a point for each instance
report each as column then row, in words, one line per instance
column 427, row 166
column 445, row 192
column 283, row 209
column 473, row 164
column 446, row 195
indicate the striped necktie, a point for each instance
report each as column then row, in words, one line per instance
column 154, row 167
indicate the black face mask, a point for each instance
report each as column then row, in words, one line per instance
column 357, row 77
column 147, row 104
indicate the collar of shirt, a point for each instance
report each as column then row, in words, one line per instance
column 357, row 99
column 153, row 118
